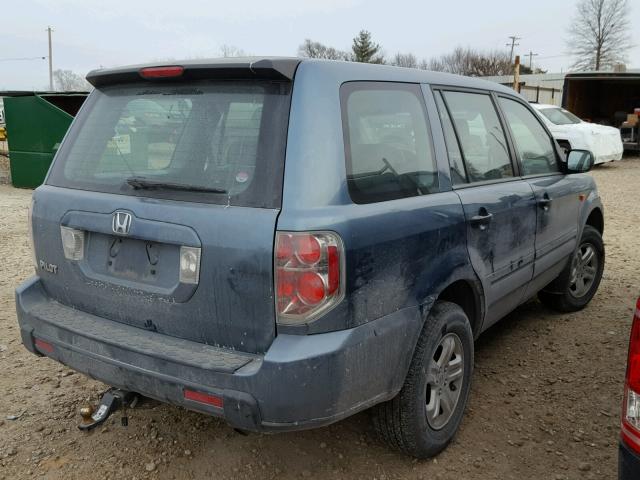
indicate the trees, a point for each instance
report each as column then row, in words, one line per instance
column 473, row 63
column 231, row 51
column 599, row 34
column 408, row 60
column 311, row 49
column 365, row 50
column 69, row 81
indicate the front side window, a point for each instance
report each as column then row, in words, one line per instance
column 482, row 139
column 535, row 147
column 387, row 143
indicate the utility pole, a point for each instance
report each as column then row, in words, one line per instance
column 49, row 30
column 513, row 45
column 516, row 74
column 531, row 55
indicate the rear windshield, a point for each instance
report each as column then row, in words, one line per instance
column 213, row 142
column 560, row 116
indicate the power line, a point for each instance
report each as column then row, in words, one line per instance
column 531, row 55
column 555, row 56
column 18, row 59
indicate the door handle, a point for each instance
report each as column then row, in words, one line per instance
column 545, row 202
column 482, row 219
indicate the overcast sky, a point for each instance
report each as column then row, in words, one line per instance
column 93, row 33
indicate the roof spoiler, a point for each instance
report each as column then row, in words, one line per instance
column 277, row 69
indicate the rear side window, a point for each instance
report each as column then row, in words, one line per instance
column 456, row 163
column 535, row 148
column 387, row 142
column 213, row 142
column 481, row 136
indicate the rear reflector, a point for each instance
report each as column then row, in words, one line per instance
column 161, row 72
column 44, row 347
column 205, row 398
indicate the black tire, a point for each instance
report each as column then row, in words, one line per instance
column 402, row 421
column 560, row 294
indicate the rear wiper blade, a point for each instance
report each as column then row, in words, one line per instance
column 141, row 183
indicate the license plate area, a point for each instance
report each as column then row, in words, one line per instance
column 140, row 262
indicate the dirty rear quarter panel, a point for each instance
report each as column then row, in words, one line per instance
column 400, row 253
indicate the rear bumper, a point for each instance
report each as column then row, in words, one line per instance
column 300, row 382
column 628, row 463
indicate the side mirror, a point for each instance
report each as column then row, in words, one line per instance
column 579, row 161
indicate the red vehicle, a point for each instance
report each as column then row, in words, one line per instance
column 629, row 452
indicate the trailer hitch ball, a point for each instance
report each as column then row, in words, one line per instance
column 85, row 413
column 112, row 400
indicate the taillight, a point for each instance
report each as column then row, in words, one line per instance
column 162, row 72
column 190, row 265
column 72, row 243
column 309, row 275
column 631, row 403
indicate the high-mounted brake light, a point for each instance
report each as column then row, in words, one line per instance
column 309, row 275
column 631, row 403
column 162, row 72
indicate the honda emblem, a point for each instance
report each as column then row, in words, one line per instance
column 121, row 223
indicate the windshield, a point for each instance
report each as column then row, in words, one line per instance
column 214, row 142
column 560, row 116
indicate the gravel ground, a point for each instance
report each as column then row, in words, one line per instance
column 544, row 404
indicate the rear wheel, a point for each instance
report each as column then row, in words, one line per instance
column 423, row 418
column 579, row 281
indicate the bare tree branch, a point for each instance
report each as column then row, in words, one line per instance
column 231, row 51
column 311, row 49
column 599, row 35
column 407, row 60
column 474, row 63
column 69, row 81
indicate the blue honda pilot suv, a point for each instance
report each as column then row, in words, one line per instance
column 286, row 242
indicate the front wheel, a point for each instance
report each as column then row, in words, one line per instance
column 423, row 418
column 579, row 281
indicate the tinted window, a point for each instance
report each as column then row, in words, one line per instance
column 387, row 144
column 482, row 139
column 456, row 163
column 227, row 137
column 535, row 147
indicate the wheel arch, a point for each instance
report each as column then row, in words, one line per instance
column 596, row 220
column 468, row 295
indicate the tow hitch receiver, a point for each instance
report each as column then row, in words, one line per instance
column 112, row 400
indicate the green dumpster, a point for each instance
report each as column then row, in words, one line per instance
column 36, row 123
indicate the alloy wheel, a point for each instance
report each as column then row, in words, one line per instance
column 584, row 268
column 445, row 374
